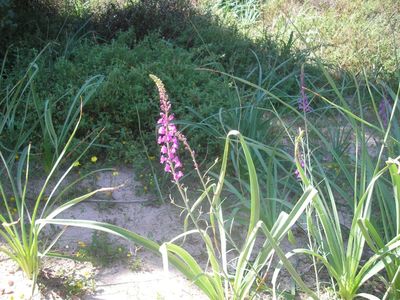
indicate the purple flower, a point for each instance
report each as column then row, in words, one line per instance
column 167, row 134
column 384, row 111
column 304, row 104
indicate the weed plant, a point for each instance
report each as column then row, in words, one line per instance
column 102, row 251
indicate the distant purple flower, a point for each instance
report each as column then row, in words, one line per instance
column 297, row 172
column 167, row 134
column 384, row 111
column 304, row 104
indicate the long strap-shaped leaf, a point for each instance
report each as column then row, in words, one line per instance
column 287, row 264
column 200, row 278
column 126, row 234
column 254, row 196
column 254, row 187
column 281, row 227
column 213, row 283
column 71, row 203
column 394, row 169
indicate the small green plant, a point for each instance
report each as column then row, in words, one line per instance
column 67, row 283
column 18, row 219
column 102, row 251
column 136, row 264
column 78, row 285
column 389, row 209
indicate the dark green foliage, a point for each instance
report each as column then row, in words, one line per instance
column 27, row 23
column 6, row 15
column 167, row 17
column 127, row 90
column 36, row 22
column 7, row 21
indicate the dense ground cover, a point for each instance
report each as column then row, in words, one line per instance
column 264, row 69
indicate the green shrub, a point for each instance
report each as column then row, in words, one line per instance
column 7, row 21
column 27, row 23
column 6, row 15
column 167, row 17
column 126, row 91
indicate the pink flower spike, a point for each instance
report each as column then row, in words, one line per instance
column 168, row 133
column 178, row 164
column 161, row 130
column 178, row 175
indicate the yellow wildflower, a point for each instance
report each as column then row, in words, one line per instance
column 93, row 159
column 76, row 164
